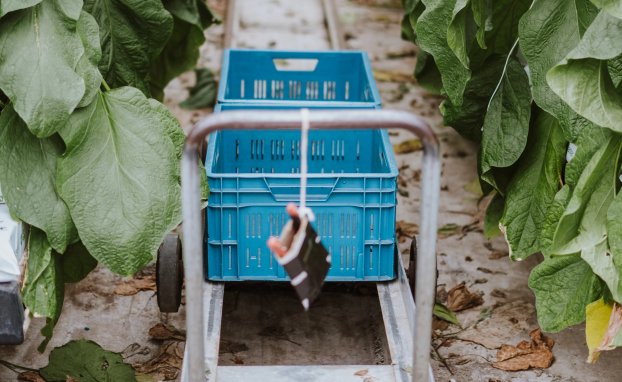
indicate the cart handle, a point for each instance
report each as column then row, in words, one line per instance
column 319, row 119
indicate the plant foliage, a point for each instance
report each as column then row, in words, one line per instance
column 537, row 83
column 89, row 159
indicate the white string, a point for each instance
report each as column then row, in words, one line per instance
column 304, row 142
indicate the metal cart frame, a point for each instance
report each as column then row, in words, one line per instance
column 204, row 299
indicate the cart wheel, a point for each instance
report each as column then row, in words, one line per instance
column 412, row 267
column 169, row 274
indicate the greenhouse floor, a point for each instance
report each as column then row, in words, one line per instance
column 347, row 326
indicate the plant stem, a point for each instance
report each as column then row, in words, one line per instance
column 2, row 105
column 13, row 366
column 105, row 85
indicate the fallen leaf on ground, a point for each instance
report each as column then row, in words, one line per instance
column 30, row 376
column 231, row 347
column 462, row 362
column 135, row 285
column 526, row 355
column 384, row 76
column 438, row 324
column 69, row 379
column 441, row 295
column 361, row 373
column 486, row 270
column 468, row 258
column 474, row 187
column 444, row 313
column 276, row 333
column 238, row 359
column 166, row 332
column 498, row 330
column 460, row 298
column 448, row 230
column 498, row 293
column 403, row 192
column 151, row 377
column 495, row 255
column 406, row 147
column 168, row 362
column 615, row 323
column 404, row 230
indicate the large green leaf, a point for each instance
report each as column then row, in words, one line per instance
column 120, row 179
column 28, row 179
column 582, row 79
column 505, row 16
column 430, row 33
column 564, row 286
column 548, row 32
column 614, row 236
column 7, row 6
column 588, row 142
column 606, row 266
column 192, row 11
column 551, row 219
column 427, row 74
column 39, row 51
column 534, row 185
column 461, row 31
column 77, row 263
column 583, row 224
column 132, row 33
column 87, row 67
column 613, row 7
column 180, row 54
column 468, row 118
column 86, row 361
column 482, row 14
column 506, row 124
column 39, row 292
column 493, row 215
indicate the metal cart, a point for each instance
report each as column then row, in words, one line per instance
column 408, row 330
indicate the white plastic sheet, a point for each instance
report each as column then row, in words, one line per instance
column 12, row 244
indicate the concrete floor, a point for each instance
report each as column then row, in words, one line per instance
column 348, row 322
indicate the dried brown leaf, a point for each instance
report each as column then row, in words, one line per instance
column 30, row 376
column 486, row 270
column 526, row 355
column 615, row 323
column 462, row 362
column 460, row 298
column 361, row 373
column 438, row 324
column 404, row 230
column 498, row 293
column 231, row 347
column 168, row 357
column 406, row 147
column 166, row 332
column 495, row 255
column 238, row 359
column 69, row 379
column 135, row 285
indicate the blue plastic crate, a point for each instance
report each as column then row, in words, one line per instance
column 330, row 78
column 351, row 189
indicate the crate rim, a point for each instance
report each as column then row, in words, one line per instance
column 301, row 54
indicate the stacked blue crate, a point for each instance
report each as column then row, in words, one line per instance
column 254, row 174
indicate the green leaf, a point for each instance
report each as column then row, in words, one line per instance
column 192, row 11
column 427, row 74
column 612, row 7
column 614, row 237
column 77, row 263
column 548, row 32
column 614, row 66
column 482, row 14
column 506, row 123
column 203, row 93
column 582, row 79
column 534, row 185
column 7, row 6
column 180, row 54
column 86, row 361
column 505, row 16
column 50, row 322
column 563, row 286
column 588, row 142
column 468, row 118
column 409, row 5
column 444, row 313
column 407, row 31
column 39, row 52
column 87, row 67
column 461, row 31
column 40, row 290
column 493, row 214
column 28, row 179
column 132, row 33
column 120, row 179
column 551, row 219
column 435, row 18
column 483, row 315
column 605, row 266
column 583, row 224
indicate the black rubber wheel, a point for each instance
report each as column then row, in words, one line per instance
column 169, row 274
